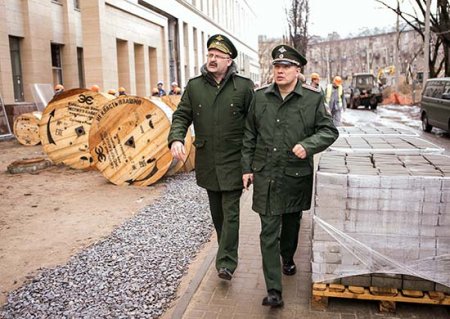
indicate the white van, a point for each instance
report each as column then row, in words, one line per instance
column 435, row 104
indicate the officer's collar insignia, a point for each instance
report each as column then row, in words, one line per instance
column 282, row 50
column 219, row 38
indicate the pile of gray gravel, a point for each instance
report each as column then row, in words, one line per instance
column 134, row 273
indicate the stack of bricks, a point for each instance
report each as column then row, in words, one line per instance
column 392, row 144
column 382, row 220
column 371, row 130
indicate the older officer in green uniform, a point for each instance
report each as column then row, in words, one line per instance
column 287, row 124
column 217, row 102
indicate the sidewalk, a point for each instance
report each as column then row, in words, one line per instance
column 209, row 297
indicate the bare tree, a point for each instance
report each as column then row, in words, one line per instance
column 440, row 26
column 298, row 17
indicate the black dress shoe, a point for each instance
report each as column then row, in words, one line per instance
column 273, row 299
column 289, row 268
column 225, row 273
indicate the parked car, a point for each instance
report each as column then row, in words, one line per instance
column 364, row 90
column 435, row 104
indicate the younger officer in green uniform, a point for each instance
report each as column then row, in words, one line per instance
column 217, row 102
column 287, row 124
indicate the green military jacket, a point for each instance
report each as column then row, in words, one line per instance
column 282, row 181
column 218, row 113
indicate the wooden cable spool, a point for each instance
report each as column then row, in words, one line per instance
column 128, row 140
column 26, row 128
column 176, row 165
column 65, row 125
column 189, row 164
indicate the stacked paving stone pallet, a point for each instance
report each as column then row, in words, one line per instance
column 382, row 220
column 374, row 130
column 397, row 144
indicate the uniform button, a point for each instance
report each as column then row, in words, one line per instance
column 198, row 113
column 199, row 105
column 231, row 104
column 274, row 149
column 296, row 174
column 278, row 120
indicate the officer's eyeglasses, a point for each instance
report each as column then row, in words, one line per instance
column 217, row 57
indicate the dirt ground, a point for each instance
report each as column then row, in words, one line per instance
column 48, row 216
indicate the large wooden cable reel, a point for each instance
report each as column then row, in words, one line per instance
column 189, row 164
column 26, row 128
column 176, row 165
column 128, row 141
column 65, row 125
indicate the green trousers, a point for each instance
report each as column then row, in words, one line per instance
column 224, row 208
column 279, row 236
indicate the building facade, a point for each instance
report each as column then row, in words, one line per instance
column 344, row 57
column 369, row 54
column 113, row 43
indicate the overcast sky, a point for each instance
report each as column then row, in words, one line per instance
column 326, row 16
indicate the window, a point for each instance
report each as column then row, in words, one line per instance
column 16, row 66
column 56, row 64
column 80, row 60
column 76, row 4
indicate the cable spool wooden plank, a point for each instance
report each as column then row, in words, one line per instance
column 26, row 128
column 176, row 165
column 65, row 125
column 128, row 141
column 189, row 164
column 172, row 101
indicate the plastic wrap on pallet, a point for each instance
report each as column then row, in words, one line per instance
column 382, row 213
column 371, row 144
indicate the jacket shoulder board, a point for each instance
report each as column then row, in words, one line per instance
column 263, row 87
column 310, row 87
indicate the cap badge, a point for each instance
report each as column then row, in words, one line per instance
column 281, row 56
column 282, row 50
column 219, row 38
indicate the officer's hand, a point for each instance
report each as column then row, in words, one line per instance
column 299, row 151
column 178, row 151
column 247, row 180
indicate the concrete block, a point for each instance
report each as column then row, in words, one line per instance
column 360, row 280
column 319, row 234
column 427, row 231
column 445, row 196
column 329, row 213
column 430, row 208
column 337, row 191
column 442, row 288
column 331, row 179
column 325, row 257
column 362, row 204
column 444, row 220
column 363, row 193
column 442, row 246
column 415, row 283
column 445, row 183
column 360, row 181
column 443, row 231
column 325, row 246
column 387, row 281
column 432, row 195
column 431, row 219
column 325, row 201
column 398, row 205
column 402, row 194
column 401, row 182
column 444, row 208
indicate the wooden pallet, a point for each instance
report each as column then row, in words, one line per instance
column 387, row 297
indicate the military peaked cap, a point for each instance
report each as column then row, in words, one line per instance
column 284, row 54
column 222, row 43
